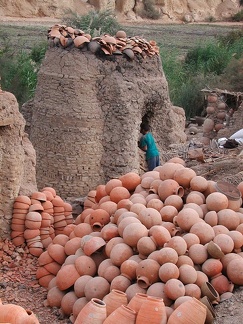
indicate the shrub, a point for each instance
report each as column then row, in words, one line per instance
column 149, row 10
column 95, row 22
column 238, row 16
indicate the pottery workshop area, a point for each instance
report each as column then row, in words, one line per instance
column 88, row 235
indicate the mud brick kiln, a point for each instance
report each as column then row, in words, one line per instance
column 90, row 100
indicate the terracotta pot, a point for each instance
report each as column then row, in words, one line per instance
column 133, row 232
column 93, row 245
column 160, row 235
column 178, row 244
column 229, row 218
column 128, row 269
column 225, row 242
column 98, row 218
column 208, row 290
column 174, row 289
column 124, row 203
column 216, row 201
column 145, row 246
column 97, row 287
column 57, row 253
column 136, row 301
column 66, row 276
column 198, row 253
column 168, row 271
column 157, row 290
column 212, row 267
column 54, row 297
column 114, row 299
column 210, row 310
column 130, row 180
column 123, row 314
column 169, row 187
column 184, row 259
column 123, row 221
column 235, row 271
column 201, row 278
column 133, row 289
column 184, row 176
column 119, row 193
column 67, row 302
column 78, row 306
column 191, row 239
column 109, row 231
column 186, row 218
column 193, row 290
column 214, row 250
column 16, row 314
column 168, row 169
column 94, row 311
column 173, row 201
column 85, row 265
column 80, row 284
column 203, row 231
column 221, row 284
column 187, row 274
column 147, row 272
column 150, row 217
column 120, row 283
column 168, row 212
column 208, row 125
column 120, row 252
column 152, row 311
column 190, row 312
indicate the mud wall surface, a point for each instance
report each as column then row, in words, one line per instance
column 86, row 116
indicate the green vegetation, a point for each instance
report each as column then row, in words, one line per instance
column 94, row 23
column 214, row 64
column 238, row 16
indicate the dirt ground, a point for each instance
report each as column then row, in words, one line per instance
column 18, row 283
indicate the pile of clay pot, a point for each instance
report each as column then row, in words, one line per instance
column 216, row 117
column 64, row 36
column 168, row 234
column 37, row 219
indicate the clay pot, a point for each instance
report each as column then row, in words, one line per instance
column 85, row 265
column 173, row 201
column 214, row 250
column 133, row 232
column 120, row 252
column 168, row 271
column 229, row 218
column 225, row 242
column 67, row 302
column 187, row 274
column 123, row 314
column 93, row 245
column 174, row 289
column 193, row 290
column 128, row 269
column 119, row 193
column 114, row 299
column 120, row 283
column 95, row 309
column 169, row 187
column 168, row 169
column 98, row 218
column 136, row 301
column 212, row 267
column 66, row 276
column 54, row 297
column 153, row 311
column 221, row 284
column 184, row 176
column 210, row 110
column 208, row 125
column 97, row 287
column 208, row 290
column 210, row 310
column 80, row 284
column 178, row 244
column 133, row 289
column 216, row 201
column 16, row 314
column 160, row 235
column 157, row 290
column 235, row 271
column 109, row 206
column 150, row 217
column 204, row 231
column 147, row 272
column 198, row 253
column 190, row 312
column 191, row 239
column 186, row 218
column 57, row 252
column 145, row 246
column 201, row 278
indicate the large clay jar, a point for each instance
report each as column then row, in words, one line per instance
column 136, row 301
column 98, row 218
column 122, row 315
column 130, row 180
column 204, row 231
column 147, row 272
column 216, row 201
column 229, row 218
column 189, row 312
column 15, row 314
column 93, row 312
column 133, row 232
column 186, row 218
column 150, row 217
column 184, row 177
column 169, row 187
column 152, row 311
column 221, row 284
column 97, row 287
column 114, row 299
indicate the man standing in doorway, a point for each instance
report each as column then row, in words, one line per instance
column 148, row 145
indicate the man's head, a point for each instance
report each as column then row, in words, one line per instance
column 144, row 128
